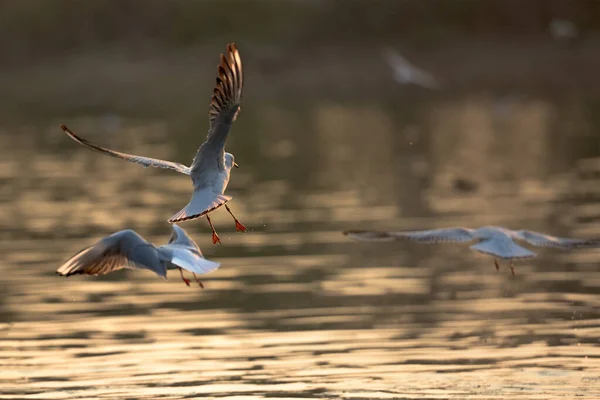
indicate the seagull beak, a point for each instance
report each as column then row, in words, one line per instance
column 235, row 165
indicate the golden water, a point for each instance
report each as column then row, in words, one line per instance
column 297, row 310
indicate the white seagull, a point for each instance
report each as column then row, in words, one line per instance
column 127, row 249
column 563, row 30
column 493, row 240
column 406, row 73
column 211, row 167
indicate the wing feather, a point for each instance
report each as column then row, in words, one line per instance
column 543, row 240
column 223, row 110
column 183, row 252
column 144, row 161
column 447, row 235
column 187, row 259
column 182, row 238
column 124, row 249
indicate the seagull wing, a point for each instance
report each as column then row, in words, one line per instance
column 394, row 59
column 224, row 107
column 405, row 72
column 502, row 247
column 542, row 240
column 187, row 258
column 447, row 235
column 181, row 237
column 144, row 161
column 399, row 65
column 183, row 251
column 124, row 249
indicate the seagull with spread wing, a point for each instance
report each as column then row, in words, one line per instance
column 406, row 73
column 211, row 167
column 127, row 249
column 492, row 240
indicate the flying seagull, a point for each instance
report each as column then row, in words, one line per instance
column 493, row 240
column 563, row 30
column 406, row 73
column 127, row 249
column 211, row 167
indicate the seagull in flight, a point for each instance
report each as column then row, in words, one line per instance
column 406, row 73
column 492, row 240
column 211, row 167
column 127, row 249
column 563, row 30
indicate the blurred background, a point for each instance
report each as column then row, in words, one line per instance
column 327, row 140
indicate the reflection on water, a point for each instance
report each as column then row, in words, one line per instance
column 298, row 310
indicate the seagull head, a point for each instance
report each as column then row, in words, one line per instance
column 230, row 161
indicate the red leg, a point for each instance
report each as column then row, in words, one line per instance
column 496, row 264
column 512, row 269
column 185, row 280
column 198, row 280
column 238, row 225
column 215, row 237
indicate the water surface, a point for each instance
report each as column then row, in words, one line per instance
column 297, row 310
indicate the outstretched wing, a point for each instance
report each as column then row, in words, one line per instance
column 224, row 107
column 447, row 235
column 405, row 72
column 144, row 161
column 180, row 237
column 124, row 249
column 542, row 240
column 395, row 60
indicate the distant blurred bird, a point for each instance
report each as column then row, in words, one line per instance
column 563, row 30
column 492, row 240
column 127, row 249
column 406, row 73
column 211, row 167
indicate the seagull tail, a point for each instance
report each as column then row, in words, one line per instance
column 202, row 202
column 198, row 265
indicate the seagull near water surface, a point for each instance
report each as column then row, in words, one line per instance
column 211, row 167
column 492, row 240
column 127, row 249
